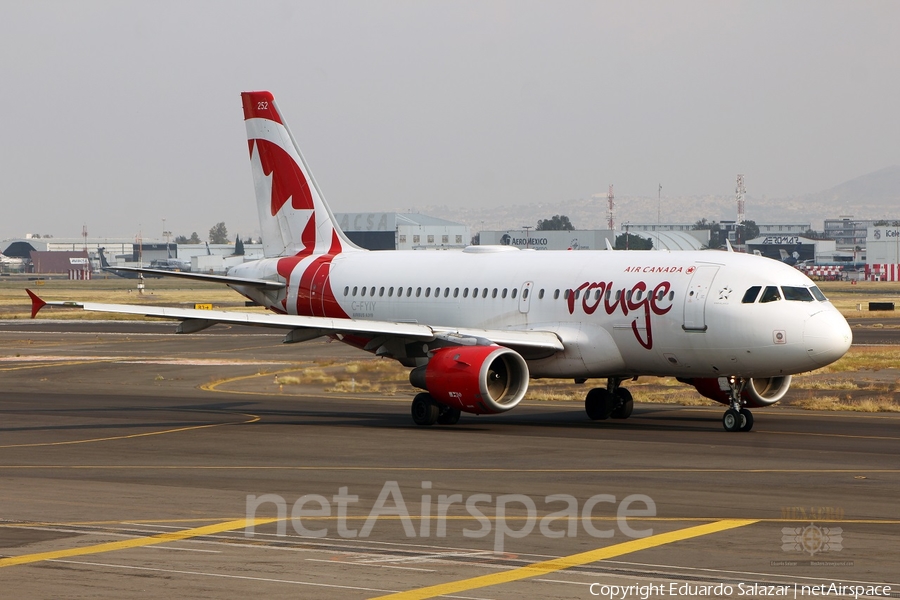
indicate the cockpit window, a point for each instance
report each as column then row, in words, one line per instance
column 797, row 294
column 818, row 294
column 751, row 294
column 770, row 294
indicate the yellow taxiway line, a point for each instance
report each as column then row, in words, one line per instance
column 566, row 562
column 161, row 538
column 251, row 419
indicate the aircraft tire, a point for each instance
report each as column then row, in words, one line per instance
column 747, row 420
column 449, row 416
column 425, row 411
column 599, row 404
column 626, row 406
column 732, row 420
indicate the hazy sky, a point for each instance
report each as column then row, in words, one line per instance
column 119, row 114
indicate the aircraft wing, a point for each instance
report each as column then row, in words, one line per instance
column 246, row 281
column 193, row 320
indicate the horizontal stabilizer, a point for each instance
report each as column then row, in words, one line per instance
column 36, row 303
column 247, row 282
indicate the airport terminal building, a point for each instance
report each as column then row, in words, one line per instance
column 590, row 239
column 403, row 231
column 868, row 245
column 578, row 239
column 883, row 253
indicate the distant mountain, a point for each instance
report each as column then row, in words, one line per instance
column 872, row 196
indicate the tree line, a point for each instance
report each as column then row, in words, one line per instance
column 625, row 241
column 218, row 234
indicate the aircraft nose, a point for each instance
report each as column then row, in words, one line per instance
column 827, row 337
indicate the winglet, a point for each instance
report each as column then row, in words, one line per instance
column 608, row 245
column 728, row 244
column 36, row 303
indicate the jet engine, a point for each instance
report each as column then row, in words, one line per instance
column 474, row 379
column 759, row 391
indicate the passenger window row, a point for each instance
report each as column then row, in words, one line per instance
column 418, row 292
column 437, row 292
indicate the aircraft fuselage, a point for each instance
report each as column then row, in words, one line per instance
column 681, row 314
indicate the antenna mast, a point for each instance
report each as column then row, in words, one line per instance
column 740, row 191
column 610, row 197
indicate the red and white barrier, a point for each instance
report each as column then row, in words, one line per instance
column 829, row 272
column 883, row 272
column 79, row 274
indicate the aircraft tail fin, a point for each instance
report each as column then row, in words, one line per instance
column 293, row 216
column 101, row 254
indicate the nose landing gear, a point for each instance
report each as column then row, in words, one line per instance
column 737, row 418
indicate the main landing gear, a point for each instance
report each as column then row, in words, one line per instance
column 614, row 401
column 737, row 418
column 427, row 411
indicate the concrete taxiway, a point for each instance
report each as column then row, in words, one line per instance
column 129, row 457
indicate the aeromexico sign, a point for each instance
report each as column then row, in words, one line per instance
column 538, row 243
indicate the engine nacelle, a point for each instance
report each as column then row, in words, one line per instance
column 474, row 379
column 758, row 391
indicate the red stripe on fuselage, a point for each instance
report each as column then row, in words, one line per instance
column 315, row 298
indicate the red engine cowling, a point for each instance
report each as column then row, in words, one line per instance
column 474, row 379
column 758, row 391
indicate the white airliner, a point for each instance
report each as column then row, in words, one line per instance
column 475, row 325
column 10, row 261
